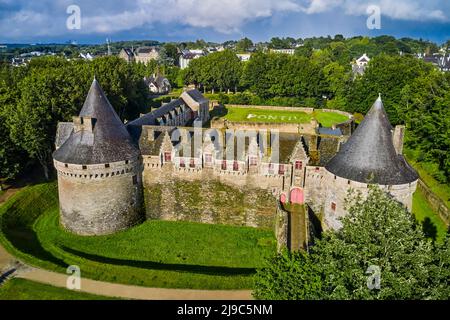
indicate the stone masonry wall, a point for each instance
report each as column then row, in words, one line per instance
column 436, row 204
column 282, row 228
column 328, row 193
column 99, row 200
column 199, row 197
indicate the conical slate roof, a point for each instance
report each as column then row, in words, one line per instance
column 109, row 140
column 369, row 155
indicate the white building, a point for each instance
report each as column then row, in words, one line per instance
column 244, row 56
column 188, row 55
column 283, row 51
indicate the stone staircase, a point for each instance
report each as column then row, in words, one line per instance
column 298, row 232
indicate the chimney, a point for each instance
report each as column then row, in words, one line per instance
column 150, row 134
column 88, row 124
column 398, row 138
column 314, row 123
column 77, row 124
column 313, row 142
column 83, row 123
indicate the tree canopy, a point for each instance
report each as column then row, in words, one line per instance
column 35, row 98
column 379, row 238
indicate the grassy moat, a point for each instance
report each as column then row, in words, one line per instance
column 154, row 254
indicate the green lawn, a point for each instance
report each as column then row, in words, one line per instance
column 439, row 189
column 21, row 289
column 155, row 254
column 432, row 224
column 326, row 119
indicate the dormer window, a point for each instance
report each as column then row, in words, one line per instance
column 167, row 156
column 298, row 165
column 84, row 167
column 333, row 206
column 281, row 170
column 182, row 163
column 253, row 161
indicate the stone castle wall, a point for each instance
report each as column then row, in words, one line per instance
column 156, row 173
column 436, row 204
column 100, row 199
column 282, row 228
column 199, row 196
column 326, row 194
column 305, row 128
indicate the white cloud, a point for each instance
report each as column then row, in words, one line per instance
column 223, row 16
column 19, row 18
column 415, row 10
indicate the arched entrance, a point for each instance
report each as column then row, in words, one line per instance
column 297, row 196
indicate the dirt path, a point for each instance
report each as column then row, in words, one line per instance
column 5, row 259
column 134, row 292
column 8, row 194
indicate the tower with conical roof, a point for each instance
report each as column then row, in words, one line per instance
column 99, row 171
column 371, row 156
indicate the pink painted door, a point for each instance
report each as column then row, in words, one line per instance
column 297, row 196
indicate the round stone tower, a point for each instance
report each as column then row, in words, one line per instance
column 99, row 170
column 371, row 156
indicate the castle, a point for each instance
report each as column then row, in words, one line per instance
column 104, row 166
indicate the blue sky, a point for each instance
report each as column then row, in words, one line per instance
column 26, row 21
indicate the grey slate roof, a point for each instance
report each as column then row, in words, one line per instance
column 329, row 131
column 63, row 133
column 159, row 80
column 150, row 118
column 196, row 96
column 369, row 155
column 108, row 142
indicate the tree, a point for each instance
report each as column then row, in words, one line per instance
column 35, row 98
column 386, row 75
column 31, row 122
column 378, row 234
column 217, row 71
column 424, row 105
column 11, row 157
column 288, row 276
column 244, row 45
column 171, row 52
